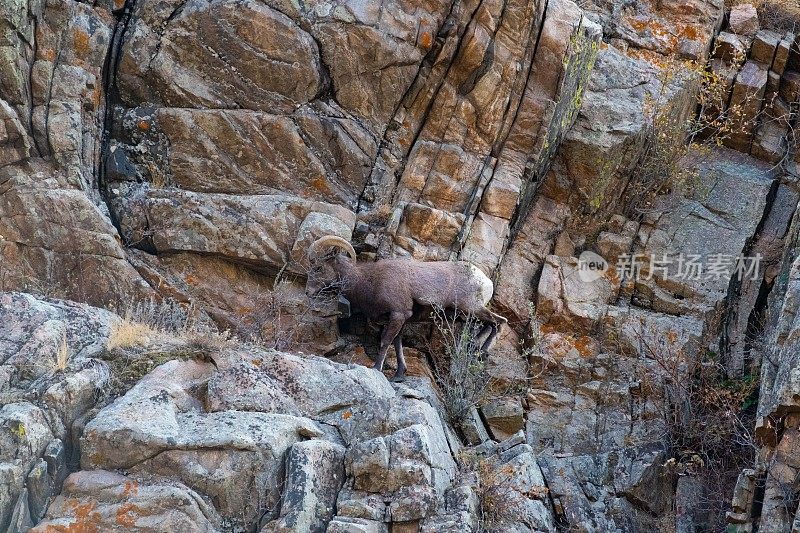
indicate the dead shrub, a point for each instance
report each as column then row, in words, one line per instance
column 686, row 114
column 285, row 317
column 705, row 416
column 459, row 367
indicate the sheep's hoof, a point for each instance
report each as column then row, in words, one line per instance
column 398, row 378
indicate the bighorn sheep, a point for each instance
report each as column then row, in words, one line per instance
column 392, row 287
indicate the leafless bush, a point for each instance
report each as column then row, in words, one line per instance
column 688, row 114
column 284, row 315
column 459, row 367
column 705, row 416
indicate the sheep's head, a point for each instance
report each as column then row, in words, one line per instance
column 327, row 256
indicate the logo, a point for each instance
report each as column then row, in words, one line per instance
column 591, row 266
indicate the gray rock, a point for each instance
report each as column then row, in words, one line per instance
column 728, row 47
column 21, row 515
column 748, row 96
column 40, row 489
column 314, row 476
column 24, row 436
column 342, row 524
column 55, row 456
column 160, row 428
column 782, row 54
column 472, row 428
column 368, row 462
column 504, row 416
column 764, row 47
column 707, row 225
column 107, row 501
column 744, row 19
column 412, row 502
column 359, row 504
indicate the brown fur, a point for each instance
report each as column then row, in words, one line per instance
column 392, row 287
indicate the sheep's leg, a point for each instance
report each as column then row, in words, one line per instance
column 400, row 374
column 396, row 321
column 492, row 322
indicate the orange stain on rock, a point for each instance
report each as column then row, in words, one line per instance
column 320, row 184
column 144, row 125
column 426, row 40
column 86, row 519
column 127, row 513
column 584, row 345
column 130, row 488
column 81, row 42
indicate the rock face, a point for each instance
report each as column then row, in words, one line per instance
column 190, row 151
column 260, row 439
column 50, row 379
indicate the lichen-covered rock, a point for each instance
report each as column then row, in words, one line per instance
column 193, row 150
column 314, row 476
column 99, row 500
column 504, row 416
column 259, row 230
column 159, row 427
column 709, row 230
column 73, row 251
column 46, row 347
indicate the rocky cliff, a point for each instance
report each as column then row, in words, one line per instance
column 183, row 154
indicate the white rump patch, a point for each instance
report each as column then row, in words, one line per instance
column 485, row 284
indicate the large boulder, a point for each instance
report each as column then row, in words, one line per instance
column 100, row 500
column 49, row 379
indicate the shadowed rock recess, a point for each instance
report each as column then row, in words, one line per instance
column 181, row 155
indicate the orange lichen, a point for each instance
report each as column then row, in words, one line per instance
column 127, row 514
column 144, row 125
column 584, row 345
column 426, row 40
column 86, row 519
column 690, row 32
column 320, row 184
column 347, row 415
column 672, row 337
column 612, row 275
column 257, row 362
column 81, row 42
column 97, row 96
column 130, row 488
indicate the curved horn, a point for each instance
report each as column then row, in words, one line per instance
column 333, row 240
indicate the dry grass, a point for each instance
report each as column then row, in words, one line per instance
column 128, row 333
column 62, row 355
column 153, row 333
